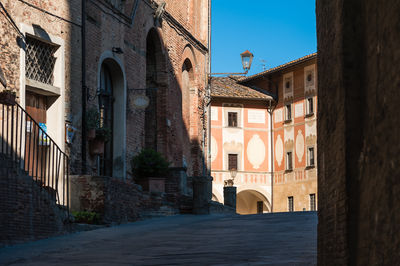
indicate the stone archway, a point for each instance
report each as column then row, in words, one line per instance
column 251, row 202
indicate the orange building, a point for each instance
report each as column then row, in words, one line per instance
column 292, row 91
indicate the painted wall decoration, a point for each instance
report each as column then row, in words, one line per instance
column 214, row 149
column 214, row 113
column 279, row 150
column 299, row 145
column 256, row 116
column 256, row 151
column 289, row 134
column 278, row 115
column 299, row 110
column 311, row 129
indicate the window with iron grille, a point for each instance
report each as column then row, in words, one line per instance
column 232, row 162
column 232, row 119
column 290, row 204
column 312, row 202
column 40, row 60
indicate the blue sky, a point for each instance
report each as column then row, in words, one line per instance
column 274, row 31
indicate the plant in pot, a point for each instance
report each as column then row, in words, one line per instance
column 7, row 97
column 150, row 169
column 103, row 134
column 92, row 122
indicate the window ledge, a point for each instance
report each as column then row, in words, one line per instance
column 309, row 115
column 42, row 88
column 310, row 167
column 287, row 121
column 288, row 171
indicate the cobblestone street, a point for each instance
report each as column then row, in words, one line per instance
column 269, row 239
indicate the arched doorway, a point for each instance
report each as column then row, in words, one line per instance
column 106, row 118
column 155, row 116
column 251, row 202
column 112, row 106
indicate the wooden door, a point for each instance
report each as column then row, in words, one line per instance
column 36, row 144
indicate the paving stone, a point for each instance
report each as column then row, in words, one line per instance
column 218, row 239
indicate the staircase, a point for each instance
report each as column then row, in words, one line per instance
column 34, row 176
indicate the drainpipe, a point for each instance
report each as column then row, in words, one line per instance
column 84, row 89
column 270, row 111
column 209, row 88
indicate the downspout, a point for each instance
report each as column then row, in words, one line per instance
column 270, row 111
column 84, row 88
column 209, row 92
column 133, row 14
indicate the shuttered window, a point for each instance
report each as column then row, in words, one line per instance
column 232, row 162
column 232, row 119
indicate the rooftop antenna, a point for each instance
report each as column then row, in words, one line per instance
column 264, row 66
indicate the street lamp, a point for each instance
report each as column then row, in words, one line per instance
column 230, row 182
column 247, row 58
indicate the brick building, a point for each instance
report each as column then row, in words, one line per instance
column 64, row 58
column 288, row 91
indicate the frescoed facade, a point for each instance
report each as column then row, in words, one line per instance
column 240, row 141
column 293, row 88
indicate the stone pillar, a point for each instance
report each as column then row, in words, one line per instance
column 202, row 194
column 230, row 197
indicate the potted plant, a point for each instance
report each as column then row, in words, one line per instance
column 92, row 122
column 150, row 169
column 102, row 135
column 7, row 97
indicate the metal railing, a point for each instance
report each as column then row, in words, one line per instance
column 26, row 144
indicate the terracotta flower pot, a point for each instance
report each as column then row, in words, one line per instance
column 91, row 134
column 7, row 98
column 152, row 184
column 96, row 146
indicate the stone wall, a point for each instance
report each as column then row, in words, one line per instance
column 27, row 211
column 358, row 132
column 117, row 201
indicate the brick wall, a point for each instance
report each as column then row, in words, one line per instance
column 27, row 211
column 358, row 160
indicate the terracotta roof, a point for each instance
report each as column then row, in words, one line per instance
column 286, row 65
column 228, row 87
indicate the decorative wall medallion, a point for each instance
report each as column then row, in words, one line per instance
column 141, row 101
column 279, row 150
column 256, row 151
column 214, row 149
column 300, row 146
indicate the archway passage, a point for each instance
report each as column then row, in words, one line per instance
column 155, row 81
column 251, row 202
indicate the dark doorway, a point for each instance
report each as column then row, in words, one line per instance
column 106, row 100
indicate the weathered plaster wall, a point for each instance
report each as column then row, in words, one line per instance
column 358, row 153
